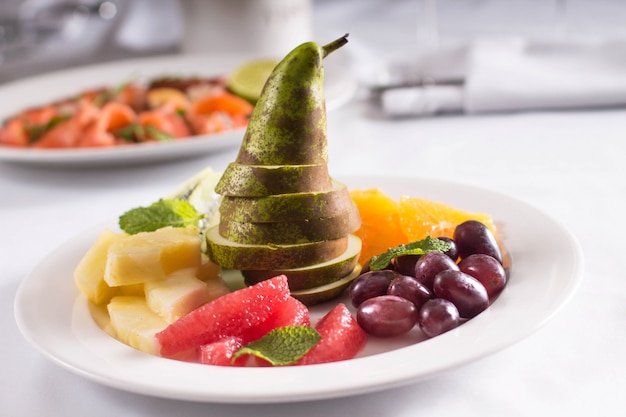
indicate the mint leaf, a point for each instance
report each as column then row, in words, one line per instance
column 163, row 213
column 282, row 346
column 419, row 247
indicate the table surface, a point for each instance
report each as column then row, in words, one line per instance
column 568, row 164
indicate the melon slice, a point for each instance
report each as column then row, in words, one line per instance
column 342, row 338
column 151, row 256
column 233, row 315
column 264, row 180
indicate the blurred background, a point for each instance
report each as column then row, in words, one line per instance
column 38, row 36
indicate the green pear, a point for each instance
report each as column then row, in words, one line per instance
column 288, row 124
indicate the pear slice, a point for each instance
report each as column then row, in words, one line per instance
column 283, row 233
column 326, row 292
column 314, row 275
column 233, row 255
column 287, row 207
column 264, row 180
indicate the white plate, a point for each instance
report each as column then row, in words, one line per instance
column 339, row 86
column 547, row 268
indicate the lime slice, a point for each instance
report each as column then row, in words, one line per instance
column 248, row 80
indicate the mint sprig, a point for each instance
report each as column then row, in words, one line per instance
column 282, row 346
column 163, row 213
column 419, row 247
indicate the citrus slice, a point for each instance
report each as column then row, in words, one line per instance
column 248, row 80
column 380, row 222
column 421, row 217
column 386, row 223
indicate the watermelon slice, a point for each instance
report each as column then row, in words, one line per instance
column 233, row 314
column 290, row 313
column 221, row 352
column 342, row 338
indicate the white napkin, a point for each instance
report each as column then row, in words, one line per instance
column 520, row 75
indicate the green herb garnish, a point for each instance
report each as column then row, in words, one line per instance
column 163, row 213
column 282, row 346
column 136, row 133
column 419, row 247
column 37, row 131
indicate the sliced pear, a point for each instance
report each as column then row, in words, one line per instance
column 287, row 207
column 326, row 292
column 282, row 233
column 314, row 275
column 263, row 180
column 233, row 255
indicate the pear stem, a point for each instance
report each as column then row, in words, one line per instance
column 334, row 45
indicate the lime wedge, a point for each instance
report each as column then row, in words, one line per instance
column 248, row 80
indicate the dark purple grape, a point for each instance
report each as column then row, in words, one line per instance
column 453, row 252
column 437, row 316
column 370, row 284
column 487, row 270
column 387, row 316
column 408, row 287
column 474, row 237
column 464, row 291
column 405, row 264
column 430, row 264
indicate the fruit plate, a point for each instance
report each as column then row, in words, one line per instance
column 56, row 320
column 339, row 85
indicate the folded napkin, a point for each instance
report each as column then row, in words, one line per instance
column 520, row 75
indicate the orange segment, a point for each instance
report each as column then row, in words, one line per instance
column 380, row 222
column 387, row 223
column 420, row 218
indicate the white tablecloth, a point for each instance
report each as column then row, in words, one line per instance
column 569, row 164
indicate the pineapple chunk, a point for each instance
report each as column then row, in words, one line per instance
column 152, row 256
column 89, row 274
column 135, row 324
column 178, row 294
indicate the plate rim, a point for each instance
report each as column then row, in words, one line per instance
column 293, row 392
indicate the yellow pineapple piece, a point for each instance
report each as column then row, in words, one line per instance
column 178, row 294
column 152, row 256
column 135, row 324
column 132, row 289
column 89, row 273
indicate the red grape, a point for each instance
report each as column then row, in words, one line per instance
column 387, row 316
column 411, row 289
column 437, row 316
column 487, row 270
column 430, row 264
column 464, row 291
column 474, row 237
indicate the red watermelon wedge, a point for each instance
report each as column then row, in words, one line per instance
column 342, row 338
column 290, row 313
column 220, row 353
column 232, row 315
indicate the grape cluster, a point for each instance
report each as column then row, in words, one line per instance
column 436, row 291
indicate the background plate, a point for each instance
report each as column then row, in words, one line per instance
column 339, row 86
column 55, row 318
